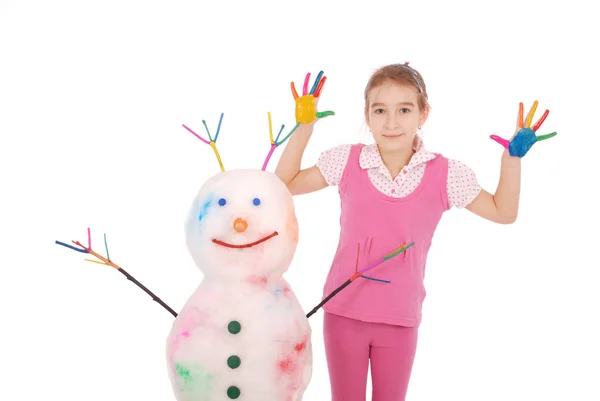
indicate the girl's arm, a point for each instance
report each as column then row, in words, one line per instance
column 503, row 206
column 289, row 167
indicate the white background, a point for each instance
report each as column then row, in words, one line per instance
column 92, row 98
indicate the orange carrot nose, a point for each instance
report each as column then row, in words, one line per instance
column 240, row 225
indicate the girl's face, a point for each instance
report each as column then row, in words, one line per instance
column 394, row 116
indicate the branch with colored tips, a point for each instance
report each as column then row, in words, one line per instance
column 212, row 142
column 387, row 257
column 106, row 261
column 526, row 136
column 360, row 274
column 276, row 142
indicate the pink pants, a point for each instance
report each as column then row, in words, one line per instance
column 350, row 344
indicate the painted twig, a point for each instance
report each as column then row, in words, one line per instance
column 360, row 273
column 106, row 261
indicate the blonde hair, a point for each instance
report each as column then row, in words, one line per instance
column 400, row 74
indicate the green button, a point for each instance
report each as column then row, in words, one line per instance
column 234, row 327
column 233, row 392
column 234, row 361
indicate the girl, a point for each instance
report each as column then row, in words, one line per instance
column 392, row 192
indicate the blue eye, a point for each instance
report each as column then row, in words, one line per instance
column 256, row 201
column 222, row 201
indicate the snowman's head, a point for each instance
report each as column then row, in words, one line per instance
column 242, row 224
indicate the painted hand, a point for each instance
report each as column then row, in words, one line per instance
column 306, row 105
column 525, row 136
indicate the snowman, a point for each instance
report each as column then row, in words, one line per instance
column 242, row 334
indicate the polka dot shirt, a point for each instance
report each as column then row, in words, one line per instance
column 462, row 185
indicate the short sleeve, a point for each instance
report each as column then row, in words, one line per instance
column 332, row 162
column 463, row 186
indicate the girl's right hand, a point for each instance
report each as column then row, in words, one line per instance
column 306, row 105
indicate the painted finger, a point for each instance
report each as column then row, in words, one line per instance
column 530, row 114
column 539, row 122
column 305, row 87
column 501, row 141
column 547, row 136
column 520, row 117
column 322, row 114
column 320, row 87
column 316, row 84
column 294, row 91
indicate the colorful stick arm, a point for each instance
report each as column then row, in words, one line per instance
column 306, row 107
column 526, row 136
column 275, row 142
column 360, row 273
column 108, row 262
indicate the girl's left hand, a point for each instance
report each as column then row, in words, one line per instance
column 525, row 136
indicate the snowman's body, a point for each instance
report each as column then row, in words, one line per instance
column 242, row 335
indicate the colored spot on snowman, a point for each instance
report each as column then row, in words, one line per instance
column 194, row 380
column 282, row 298
column 259, row 281
column 189, row 319
column 204, row 208
column 287, row 365
column 280, row 290
column 292, row 225
column 300, row 347
column 184, row 373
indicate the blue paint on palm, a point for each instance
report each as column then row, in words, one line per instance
column 522, row 142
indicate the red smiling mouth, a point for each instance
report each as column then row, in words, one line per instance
column 251, row 244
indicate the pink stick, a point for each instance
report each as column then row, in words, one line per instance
column 198, row 136
column 268, row 156
column 89, row 239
